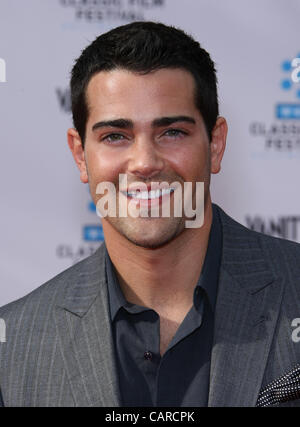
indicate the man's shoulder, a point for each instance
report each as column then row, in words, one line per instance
column 238, row 227
column 276, row 249
column 54, row 290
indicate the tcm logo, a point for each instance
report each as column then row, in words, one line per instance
column 2, row 71
column 93, row 233
column 2, row 331
column 291, row 69
column 296, row 71
column 290, row 83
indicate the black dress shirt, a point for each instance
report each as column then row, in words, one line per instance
column 181, row 376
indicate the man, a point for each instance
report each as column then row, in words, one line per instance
column 163, row 314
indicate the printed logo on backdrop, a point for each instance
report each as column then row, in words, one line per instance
column 64, row 99
column 94, row 11
column 283, row 226
column 93, row 232
column 283, row 134
column 91, row 236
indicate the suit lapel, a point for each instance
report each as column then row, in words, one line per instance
column 247, row 310
column 85, row 336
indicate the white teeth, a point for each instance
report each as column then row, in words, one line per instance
column 153, row 194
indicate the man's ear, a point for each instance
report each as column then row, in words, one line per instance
column 218, row 143
column 77, row 150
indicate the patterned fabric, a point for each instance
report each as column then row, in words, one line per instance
column 283, row 389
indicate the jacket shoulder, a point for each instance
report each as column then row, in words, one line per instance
column 51, row 291
column 280, row 253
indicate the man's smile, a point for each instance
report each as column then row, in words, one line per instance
column 149, row 198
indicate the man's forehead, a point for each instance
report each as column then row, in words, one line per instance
column 121, row 90
column 118, row 80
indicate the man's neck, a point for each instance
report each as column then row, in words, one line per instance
column 163, row 278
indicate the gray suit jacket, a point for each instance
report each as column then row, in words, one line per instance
column 59, row 349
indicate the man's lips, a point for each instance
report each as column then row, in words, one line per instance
column 147, row 187
column 149, row 198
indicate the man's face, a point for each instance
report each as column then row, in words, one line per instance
column 148, row 128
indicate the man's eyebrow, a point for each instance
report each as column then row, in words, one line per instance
column 118, row 123
column 166, row 121
column 128, row 124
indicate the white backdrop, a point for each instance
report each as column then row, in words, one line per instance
column 47, row 222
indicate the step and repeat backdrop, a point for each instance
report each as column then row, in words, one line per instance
column 48, row 220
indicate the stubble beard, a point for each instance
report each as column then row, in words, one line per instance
column 151, row 233
column 146, row 232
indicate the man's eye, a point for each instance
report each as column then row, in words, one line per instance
column 113, row 137
column 174, row 133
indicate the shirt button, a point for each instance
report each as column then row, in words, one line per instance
column 148, row 355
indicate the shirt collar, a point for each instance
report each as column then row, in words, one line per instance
column 116, row 297
column 208, row 280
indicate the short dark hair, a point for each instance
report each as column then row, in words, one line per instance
column 144, row 47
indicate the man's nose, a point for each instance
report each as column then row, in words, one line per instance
column 145, row 160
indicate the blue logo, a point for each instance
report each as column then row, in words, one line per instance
column 289, row 111
column 92, row 207
column 93, row 233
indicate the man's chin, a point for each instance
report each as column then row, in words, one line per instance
column 147, row 235
column 150, row 243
